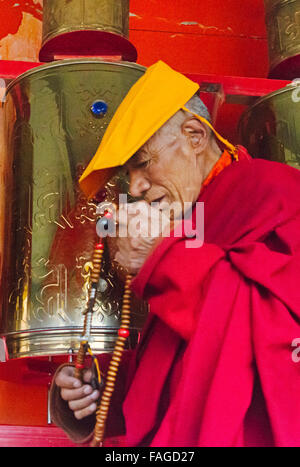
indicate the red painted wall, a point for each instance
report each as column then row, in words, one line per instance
column 203, row 36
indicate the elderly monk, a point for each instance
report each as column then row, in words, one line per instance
column 217, row 362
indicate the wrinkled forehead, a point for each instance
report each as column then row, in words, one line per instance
column 160, row 140
column 144, row 151
column 134, row 160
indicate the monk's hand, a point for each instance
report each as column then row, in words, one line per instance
column 140, row 229
column 81, row 397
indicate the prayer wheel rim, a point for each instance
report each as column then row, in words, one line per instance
column 269, row 96
column 51, row 133
column 77, row 61
column 271, row 4
column 77, row 43
column 268, row 128
column 86, row 28
column 281, row 17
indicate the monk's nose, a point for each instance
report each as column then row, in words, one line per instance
column 139, row 184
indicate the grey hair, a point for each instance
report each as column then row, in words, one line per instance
column 196, row 105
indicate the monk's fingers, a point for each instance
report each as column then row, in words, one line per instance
column 85, row 406
column 65, row 378
column 77, row 390
column 134, row 219
column 125, row 258
column 124, row 244
column 128, row 211
column 80, row 414
column 75, row 394
column 135, row 266
column 85, row 402
column 130, row 262
column 142, row 244
column 87, row 376
column 134, row 245
column 121, row 259
column 131, row 255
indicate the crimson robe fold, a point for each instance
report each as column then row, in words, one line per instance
column 215, row 366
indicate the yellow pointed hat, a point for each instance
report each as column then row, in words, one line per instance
column 151, row 101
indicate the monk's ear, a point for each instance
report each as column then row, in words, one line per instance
column 196, row 132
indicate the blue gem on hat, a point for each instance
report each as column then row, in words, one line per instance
column 99, row 108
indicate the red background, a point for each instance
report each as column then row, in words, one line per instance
column 201, row 36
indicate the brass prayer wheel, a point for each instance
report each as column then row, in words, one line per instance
column 283, row 30
column 269, row 129
column 86, row 28
column 52, row 130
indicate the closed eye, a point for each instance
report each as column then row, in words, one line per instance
column 138, row 161
column 142, row 164
column 137, row 166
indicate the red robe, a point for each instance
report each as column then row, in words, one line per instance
column 215, row 366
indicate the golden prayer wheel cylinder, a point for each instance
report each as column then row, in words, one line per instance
column 51, row 133
column 86, row 28
column 283, row 30
column 269, row 129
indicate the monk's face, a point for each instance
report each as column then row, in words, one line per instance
column 168, row 168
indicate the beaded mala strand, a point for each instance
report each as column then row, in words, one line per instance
column 123, row 334
column 95, row 276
